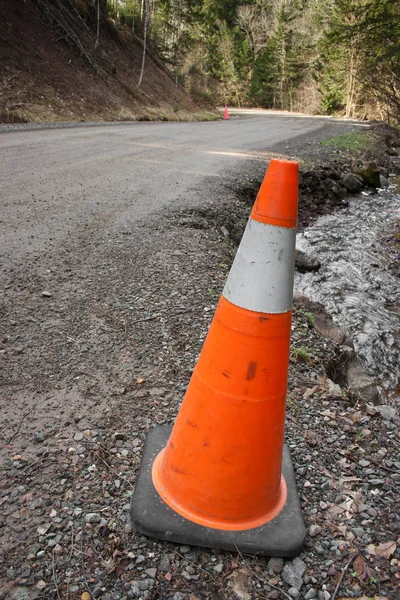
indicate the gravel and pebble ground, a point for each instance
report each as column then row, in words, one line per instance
column 99, row 348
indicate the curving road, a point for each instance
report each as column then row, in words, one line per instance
column 55, row 181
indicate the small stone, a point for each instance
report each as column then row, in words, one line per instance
column 164, row 564
column 358, row 532
column 314, row 530
column 364, row 463
column 135, row 589
column 92, row 518
column 46, row 294
column 19, row 593
column 152, row 573
column 41, row 584
column 184, row 549
column 179, row 596
column 26, row 572
column 275, row 565
column 224, row 231
column 43, row 529
column 85, row 596
column 143, row 585
column 324, row 595
column 293, row 573
column 219, row 568
column 78, row 436
column 58, row 550
column 293, row 592
column 40, row 554
column 311, row 594
column 38, row 437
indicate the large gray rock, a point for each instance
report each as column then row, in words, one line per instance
column 370, row 175
column 352, row 182
column 360, row 383
column 347, row 370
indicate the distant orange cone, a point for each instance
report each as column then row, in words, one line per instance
column 221, row 469
column 226, row 113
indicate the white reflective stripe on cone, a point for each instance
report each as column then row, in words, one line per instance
column 261, row 277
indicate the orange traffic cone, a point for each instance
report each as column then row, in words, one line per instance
column 218, row 480
column 226, row 113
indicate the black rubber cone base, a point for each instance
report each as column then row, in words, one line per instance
column 283, row 536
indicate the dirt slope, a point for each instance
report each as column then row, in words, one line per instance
column 51, row 69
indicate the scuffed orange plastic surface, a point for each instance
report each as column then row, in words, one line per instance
column 222, row 465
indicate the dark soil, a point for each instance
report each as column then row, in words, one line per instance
column 52, row 70
column 90, row 367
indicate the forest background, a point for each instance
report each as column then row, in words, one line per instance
column 311, row 56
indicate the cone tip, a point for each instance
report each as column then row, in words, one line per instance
column 277, row 199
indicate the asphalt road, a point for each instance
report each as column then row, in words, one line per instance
column 54, row 182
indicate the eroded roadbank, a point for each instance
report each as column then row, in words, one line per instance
column 107, row 352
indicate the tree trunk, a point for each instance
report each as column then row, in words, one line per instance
column 144, row 6
column 352, row 82
column 98, row 25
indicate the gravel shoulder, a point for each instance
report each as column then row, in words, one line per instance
column 99, row 347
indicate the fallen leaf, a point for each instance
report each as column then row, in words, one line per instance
column 239, row 583
column 386, row 549
column 109, row 565
column 328, row 413
column 359, row 566
column 121, row 566
column 310, row 391
column 336, row 510
column 370, row 549
column 355, row 417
